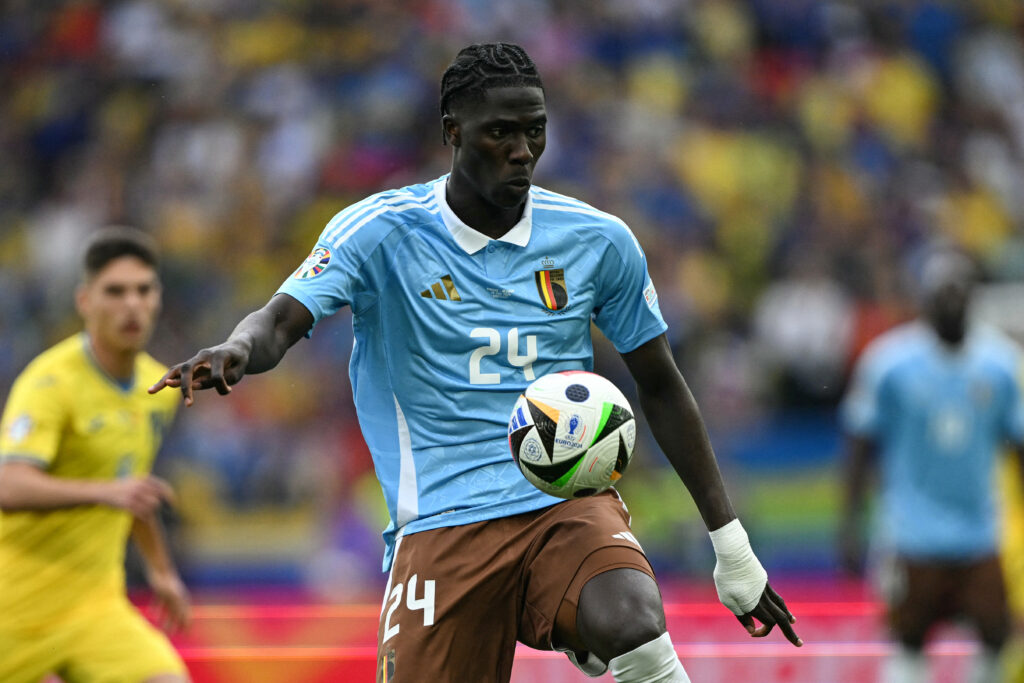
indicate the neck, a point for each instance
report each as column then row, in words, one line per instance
column 118, row 364
column 478, row 213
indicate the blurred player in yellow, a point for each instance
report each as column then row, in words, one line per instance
column 1013, row 561
column 77, row 442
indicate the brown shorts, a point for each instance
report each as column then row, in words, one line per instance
column 924, row 593
column 459, row 598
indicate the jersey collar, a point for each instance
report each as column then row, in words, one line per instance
column 125, row 385
column 472, row 240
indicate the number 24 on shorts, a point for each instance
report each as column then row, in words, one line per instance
column 412, row 603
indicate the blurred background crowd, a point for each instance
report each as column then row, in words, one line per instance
column 781, row 161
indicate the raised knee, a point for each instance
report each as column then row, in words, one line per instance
column 616, row 616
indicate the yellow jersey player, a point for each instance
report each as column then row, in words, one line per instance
column 77, row 442
column 1013, row 561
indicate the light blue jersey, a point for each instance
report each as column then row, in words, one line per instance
column 940, row 418
column 450, row 326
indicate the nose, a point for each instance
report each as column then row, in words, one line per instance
column 520, row 152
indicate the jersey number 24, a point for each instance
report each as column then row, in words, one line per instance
column 492, row 347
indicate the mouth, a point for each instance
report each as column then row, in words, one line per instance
column 520, row 182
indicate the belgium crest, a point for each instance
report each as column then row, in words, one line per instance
column 552, row 289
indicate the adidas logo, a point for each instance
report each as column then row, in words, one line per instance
column 627, row 536
column 443, row 289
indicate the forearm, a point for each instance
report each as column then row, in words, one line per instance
column 257, row 339
column 25, row 487
column 264, row 336
column 676, row 423
column 148, row 536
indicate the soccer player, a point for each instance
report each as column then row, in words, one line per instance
column 77, row 442
column 932, row 403
column 463, row 290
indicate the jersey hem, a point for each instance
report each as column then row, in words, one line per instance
column 443, row 520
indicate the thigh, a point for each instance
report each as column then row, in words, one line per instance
column 118, row 645
column 449, row 611
column 922, row 595
column 984, row 602
column 573, row 542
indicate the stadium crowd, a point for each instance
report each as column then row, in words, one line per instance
column 781, row 161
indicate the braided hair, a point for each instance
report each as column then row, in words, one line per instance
column 480, row 67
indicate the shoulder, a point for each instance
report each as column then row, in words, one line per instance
column 53, row 366
column 48, row 382
column 997, row 347
column 373, row 219
column 554, row 210
column 891, row 349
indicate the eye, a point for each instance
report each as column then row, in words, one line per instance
column 535, row 131
column 498, row 131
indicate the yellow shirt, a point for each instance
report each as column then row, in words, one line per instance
column 70, row 418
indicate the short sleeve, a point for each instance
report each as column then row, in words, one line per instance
column 33, row 420
column 627, row 309
column 325, row 281
column 859, row 410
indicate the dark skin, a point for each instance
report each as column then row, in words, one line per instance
column 947, row 282
column 496, row 144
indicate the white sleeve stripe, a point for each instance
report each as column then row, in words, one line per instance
column 349, row 212
column 590, row 212
column 350, row 230
column 345, row 218
column 341, row 221
column 554, row 196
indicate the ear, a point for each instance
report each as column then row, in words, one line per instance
column 82, row 299
column 450, row 130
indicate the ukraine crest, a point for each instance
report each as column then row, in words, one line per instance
column 552, row 289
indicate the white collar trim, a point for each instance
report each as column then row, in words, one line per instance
column 472, row 240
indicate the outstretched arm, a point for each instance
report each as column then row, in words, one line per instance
column 257, row 344
column 679, row 429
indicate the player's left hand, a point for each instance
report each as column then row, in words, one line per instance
column 770, row 610
column 173, row 608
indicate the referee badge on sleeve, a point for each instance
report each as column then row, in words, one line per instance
column 314, row 264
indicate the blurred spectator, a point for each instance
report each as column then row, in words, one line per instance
column 778, row 160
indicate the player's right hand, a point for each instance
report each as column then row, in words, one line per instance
column 217, row 367
column 140, row 496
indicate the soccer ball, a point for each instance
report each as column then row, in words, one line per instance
column 572, row 433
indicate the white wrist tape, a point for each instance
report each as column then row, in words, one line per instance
column 739, row 577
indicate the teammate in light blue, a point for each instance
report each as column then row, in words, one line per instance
column 935, row 402
column 463, row 290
